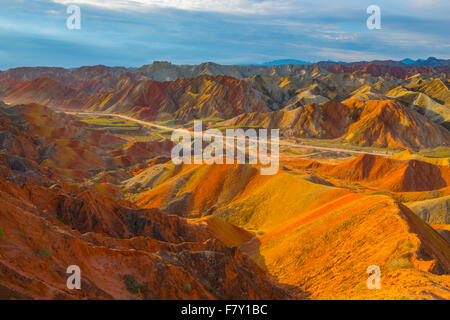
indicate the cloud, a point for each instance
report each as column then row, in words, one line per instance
column 52, row 12
column 348, row 55
column 262, row 7
column 136, row 32
column 429, row 3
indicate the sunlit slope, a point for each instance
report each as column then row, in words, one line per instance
column 187, row 98
column 313, row 236
column 235, row 192
column 151, row 177
column 360, row 120
column 327, row 250
column 265, row 204
column 383, row 173
column 228, row 233
column 197, row 189
column 387, row 123
column 422, row 103
column 433, row 87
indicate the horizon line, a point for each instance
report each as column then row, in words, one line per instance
column 264, row 64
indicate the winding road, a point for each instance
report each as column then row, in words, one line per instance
column 287, row 144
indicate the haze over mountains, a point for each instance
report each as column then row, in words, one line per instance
column 431, row 61
column 81, row 186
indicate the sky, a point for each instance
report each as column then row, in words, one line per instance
column 132, row 33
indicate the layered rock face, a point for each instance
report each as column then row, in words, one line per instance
column 385, row 104
column 49, row 223
column 81, row 186
column 319, row 226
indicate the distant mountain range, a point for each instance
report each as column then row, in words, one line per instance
column 215, row 68
column 286, row 61
column 163, row 90
column 430, row 62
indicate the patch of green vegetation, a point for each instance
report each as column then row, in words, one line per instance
column 109, row 123
column 210, row 119
column 119, row 127
column 380, row 193
column 61, row 219
column 1, row 233
column 400, row 263
column 343, row 144
column 44, row 252
column 167, row 123
column 297, row 152
column 100, row 120
column 439, row 152
column 223, row 128
column 133, row 285
column 138, row 137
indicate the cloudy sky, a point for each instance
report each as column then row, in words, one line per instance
column 137, row 32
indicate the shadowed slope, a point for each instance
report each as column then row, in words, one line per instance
column 126, row 252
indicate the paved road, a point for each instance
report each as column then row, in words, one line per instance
column 287, row 144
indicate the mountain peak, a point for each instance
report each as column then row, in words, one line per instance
column 286, row 62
